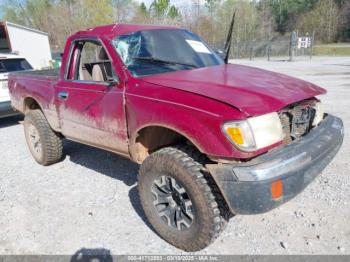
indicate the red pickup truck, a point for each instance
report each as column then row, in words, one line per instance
column 213, row 139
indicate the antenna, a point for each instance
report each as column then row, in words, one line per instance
column 229, row 39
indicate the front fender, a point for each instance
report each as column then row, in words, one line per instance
column 197, row 118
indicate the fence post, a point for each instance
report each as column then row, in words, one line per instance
column 292, row 45
column 312, row 44
column 268, row 51
column 297, row 39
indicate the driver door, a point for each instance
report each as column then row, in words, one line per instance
column 90, row 101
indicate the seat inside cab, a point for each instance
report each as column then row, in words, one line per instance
column 95, row 64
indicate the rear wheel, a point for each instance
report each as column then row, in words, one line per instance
column 44, row 144
column 178, row 201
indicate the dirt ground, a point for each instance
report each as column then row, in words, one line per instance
column 90, row 199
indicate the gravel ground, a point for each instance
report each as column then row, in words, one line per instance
column 90, row 199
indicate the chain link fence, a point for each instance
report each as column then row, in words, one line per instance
column 288, row 48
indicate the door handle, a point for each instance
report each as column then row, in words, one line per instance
column 63, row 95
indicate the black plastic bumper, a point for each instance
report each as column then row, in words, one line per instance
column 6, row 109
column 247, row 187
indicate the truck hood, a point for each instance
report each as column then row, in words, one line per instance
column 253, row 91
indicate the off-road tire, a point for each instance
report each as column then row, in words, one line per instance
column 208, row 221
column 51, row 148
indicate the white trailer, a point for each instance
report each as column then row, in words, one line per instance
column 29, row 43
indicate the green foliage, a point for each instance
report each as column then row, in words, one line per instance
column 160, row 7
column 323, row 19
column 246, row 22
column 96, row 13
column 163, row 9
column 173, row 12
column 285, row 10
column 33, row 13
column 143, row 8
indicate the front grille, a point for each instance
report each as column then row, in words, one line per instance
column 286, row 127
column 297, row 120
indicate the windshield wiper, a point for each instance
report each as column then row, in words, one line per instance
column 157, row 60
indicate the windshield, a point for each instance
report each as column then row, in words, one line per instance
column 12, row 65
column 159, row 51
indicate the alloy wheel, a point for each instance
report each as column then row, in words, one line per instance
column 172, row 203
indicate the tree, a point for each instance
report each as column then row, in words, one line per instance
column 143, row 8
column 173, row 12
column 246, row 20
column 160, row 7
column 123, row 10
column 142, row 14
column 286, row 11
column 212, row 6
column 324, row 19
column 256, row 20
column 344, row 20
column 162, row 10
column 93, row 13
column 266, row 22
column 59, row 18
column 33, row 13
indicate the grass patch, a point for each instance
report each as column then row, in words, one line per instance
column 339, row 49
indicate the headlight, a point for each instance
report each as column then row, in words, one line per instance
column 255, row 133
column 319, row 114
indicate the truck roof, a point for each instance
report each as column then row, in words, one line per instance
column 113, row 30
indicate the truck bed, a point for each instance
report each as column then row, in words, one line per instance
column 48, row 73
column 38, row 85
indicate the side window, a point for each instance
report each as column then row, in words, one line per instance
column 92, row 63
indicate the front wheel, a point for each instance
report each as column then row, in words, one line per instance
column 44, row 144
column 178, row 201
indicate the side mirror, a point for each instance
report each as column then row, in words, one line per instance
column 112, row 81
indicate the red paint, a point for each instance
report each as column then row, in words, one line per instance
column 194, row 103
column 253, row 91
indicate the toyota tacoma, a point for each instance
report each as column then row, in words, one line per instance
column 213, row 139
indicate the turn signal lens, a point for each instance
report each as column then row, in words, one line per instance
column 255, row 133
column 277, row 189
column 240, row 134
column 236, row 135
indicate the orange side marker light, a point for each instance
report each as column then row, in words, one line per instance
column 276, row 189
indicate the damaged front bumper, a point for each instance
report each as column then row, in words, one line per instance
column 275, row 177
